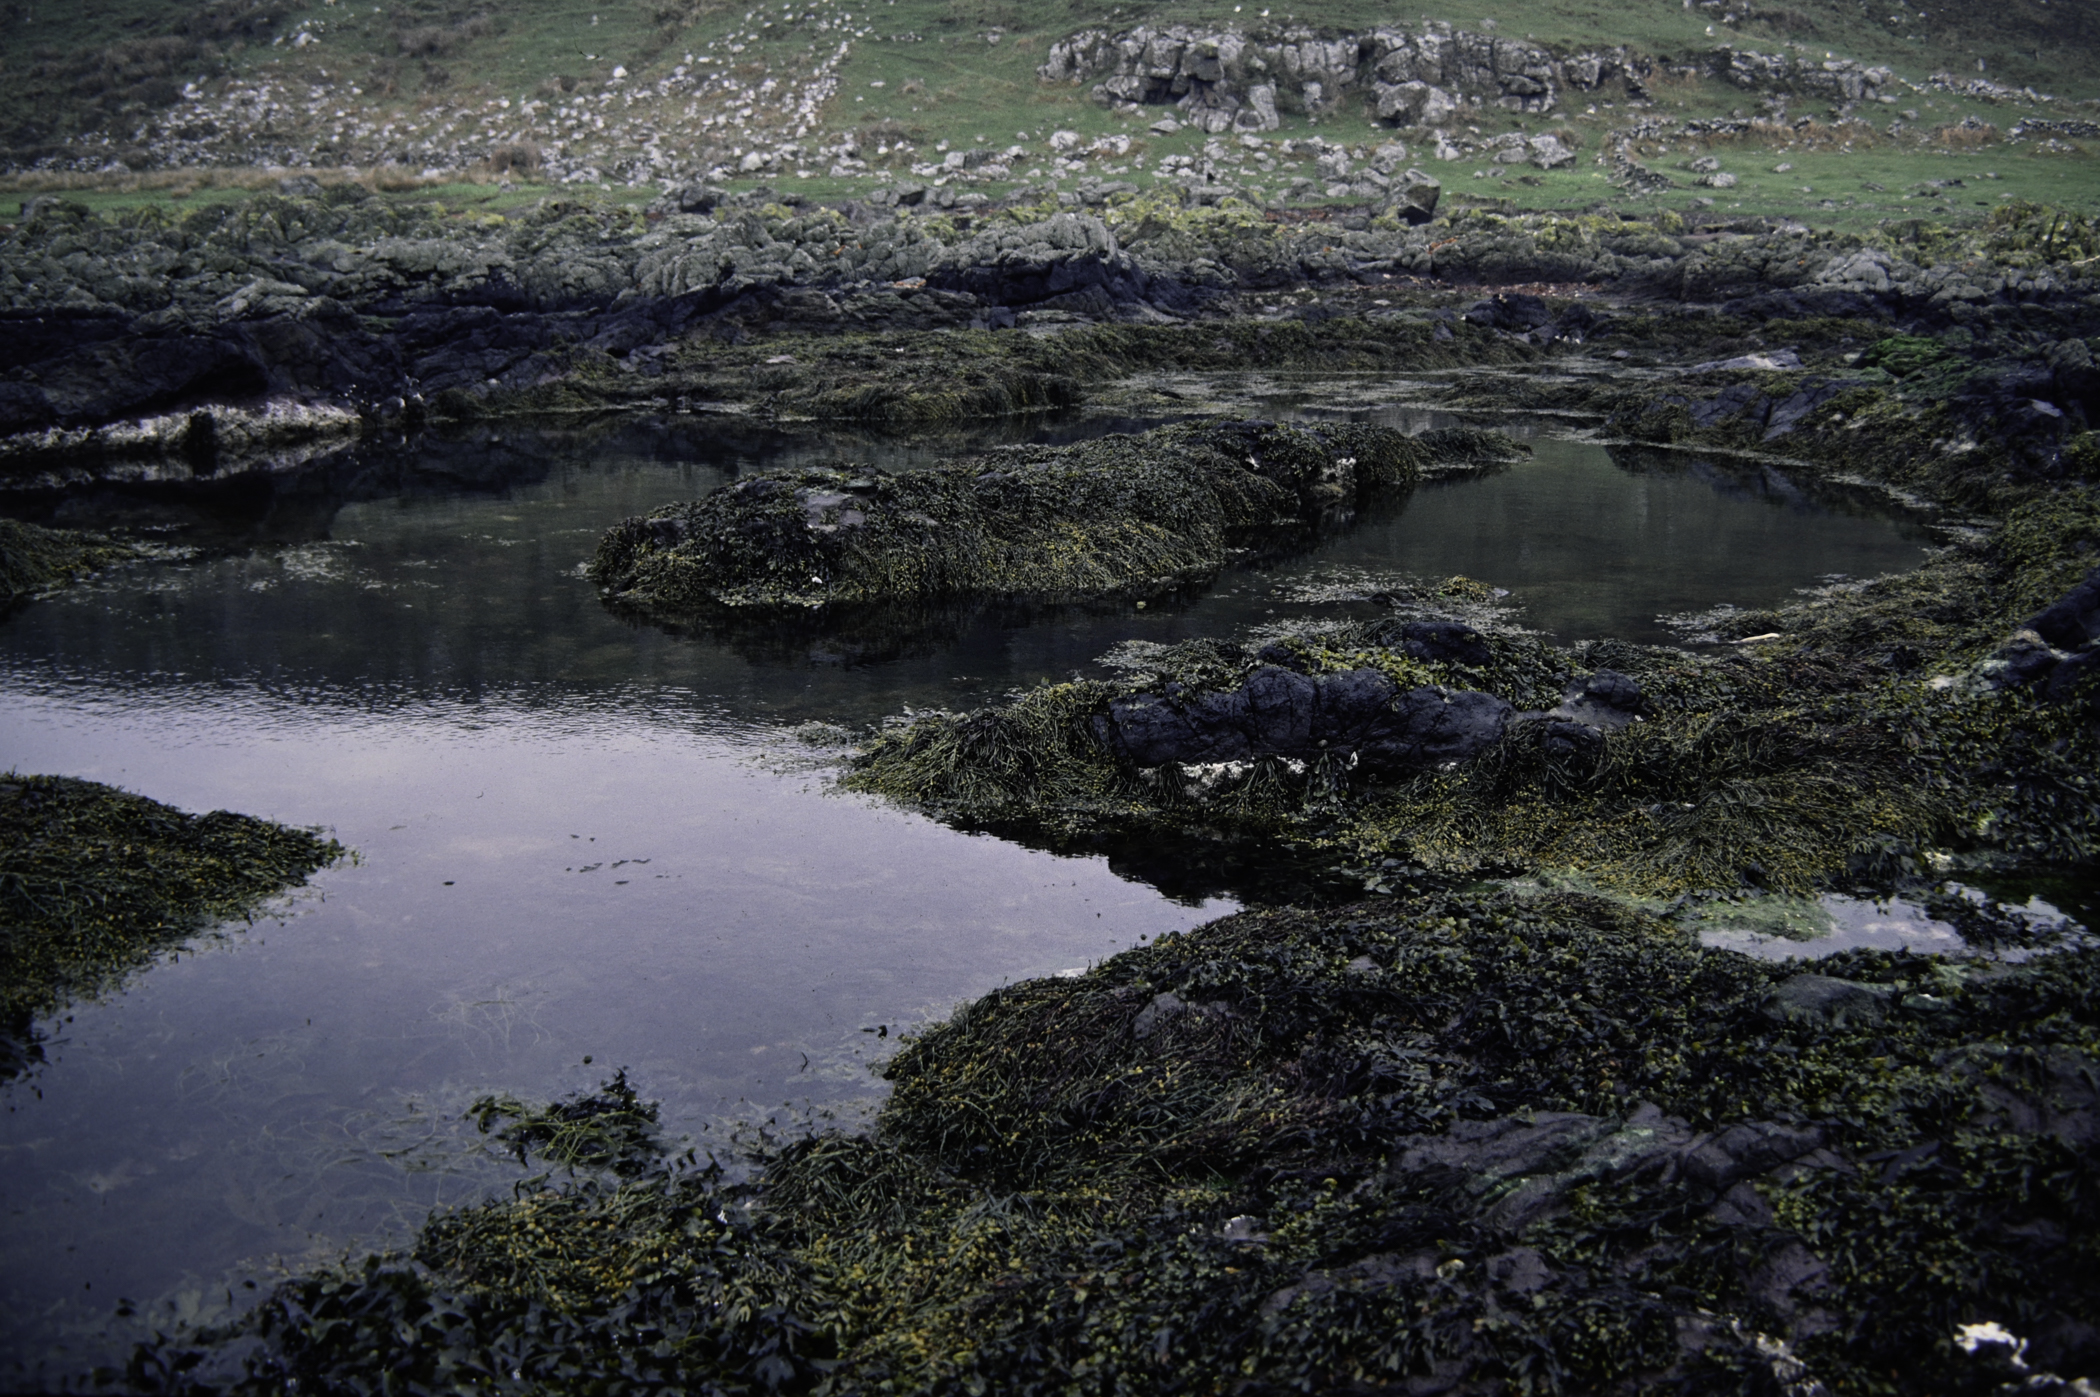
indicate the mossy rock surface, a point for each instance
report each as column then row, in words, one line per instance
column 1847, row 739
column 1121, row 515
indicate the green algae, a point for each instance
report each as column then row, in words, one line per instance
column 95, row 882
column 33, row 558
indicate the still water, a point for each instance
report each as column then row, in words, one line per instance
column 585, row 844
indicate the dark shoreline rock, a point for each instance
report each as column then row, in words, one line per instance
column 1359, row 717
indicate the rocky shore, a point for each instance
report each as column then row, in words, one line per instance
column 1463, row 1104
column 237, row 331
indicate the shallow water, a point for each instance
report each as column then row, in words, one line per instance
column 1835, row 922
column 579, row 836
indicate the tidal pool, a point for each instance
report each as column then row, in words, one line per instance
column 584, row 844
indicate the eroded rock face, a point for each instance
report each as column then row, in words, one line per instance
column 1359, row 716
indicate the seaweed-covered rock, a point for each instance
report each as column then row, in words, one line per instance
column 1452, row 641
column 95, row 881
column 1119, row 515
column 32, row 557
column 1433, row 1144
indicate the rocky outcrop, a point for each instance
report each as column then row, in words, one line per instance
column 1228, row 79
column 296, row 301
column 1066, row 262
column 1118, row 516
column 1361, row 720
column 1836, row 80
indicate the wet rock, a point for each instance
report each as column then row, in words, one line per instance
column 2072, row 620
column 1720, row 1161
column 1113, row 516
column 1573, row 747
column 1826, row 1000
column 2022, row 660
column 2074, row 677
column 1520, row 1271
column 1604, row 702
column 1792, row 411
column 1452, row 642
column 1360, row 715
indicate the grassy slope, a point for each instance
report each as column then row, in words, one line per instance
column 930, row 69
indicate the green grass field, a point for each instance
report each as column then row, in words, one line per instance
column 541, row 72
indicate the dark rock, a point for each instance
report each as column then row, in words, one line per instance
column 1789, row 414
column 1282, row 656
column 1572, row 744
column 1453, row 642
column 1610, row 689
column 2072, row 620
column 1821, row 999
column 1719, row 1162
column 1787, row 1276
column 1741, row 400
column 1277, row 712
column 2021, row 661
column 2074, row 676
column 1520, row 1271
column 1514, row 312
column 1607, row 701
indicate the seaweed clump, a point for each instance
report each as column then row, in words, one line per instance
column 33, row 558
column 1459, row 1143
column 1118, row 516
column 611, row 1128
column 95, row 881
